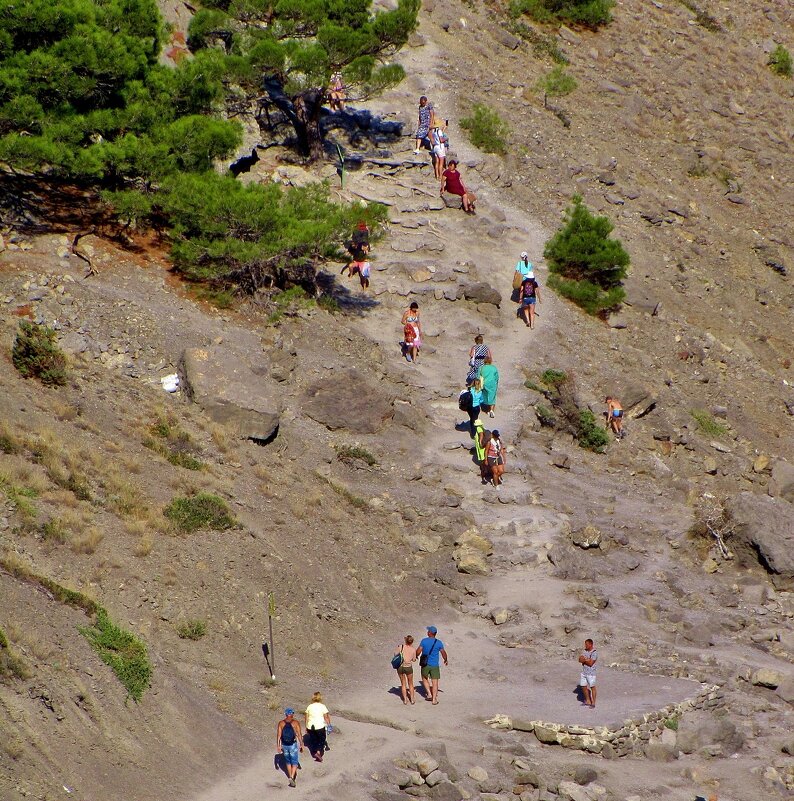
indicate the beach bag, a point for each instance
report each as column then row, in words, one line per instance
column 517, row 279
column 397, row 659
column 465, row 400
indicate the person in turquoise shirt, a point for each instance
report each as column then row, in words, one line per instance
column 525, row 267
column 490, row 386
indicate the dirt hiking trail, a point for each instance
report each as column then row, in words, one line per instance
column 536, row 679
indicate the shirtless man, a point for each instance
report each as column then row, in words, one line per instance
column 614, row 416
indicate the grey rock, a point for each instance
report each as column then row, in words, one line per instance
column 696, row 731
column 781, row 484
column 570, row 791
column 764, row 533
column 481, row 293
column 523, row 725
column 561, row 460
column 766, row 677
column 786, row 689
column 229, row 390
column 506, row 39
column 446, row 791
column 478, row 774
column 660, row 752
column 587, row 537
column 527, row 777
column 357, row 404
column 434, row 777
column 615, row 200
column 73, row 343
column 584, row 775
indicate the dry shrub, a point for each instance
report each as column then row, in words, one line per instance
column 144, row 545
column 88, row 541
column 136, row 528
column 65, row 411
column 124, row 498
column 222, row 439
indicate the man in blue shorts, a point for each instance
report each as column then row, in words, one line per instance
column 289, row 741
column 430, row 652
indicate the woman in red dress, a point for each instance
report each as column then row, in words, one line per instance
column 451, row 182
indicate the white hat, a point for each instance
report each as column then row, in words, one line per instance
column 525, row 255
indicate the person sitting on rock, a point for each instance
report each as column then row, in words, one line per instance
column 337, row 93
column 614, row 415
column 452, row 182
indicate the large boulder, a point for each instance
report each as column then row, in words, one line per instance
column 637, row 400
column 703, row 730
column 352, row 402
column 231, row 391
column 765, row 533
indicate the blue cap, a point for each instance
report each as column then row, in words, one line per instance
column 432, row 629
column 289, row 711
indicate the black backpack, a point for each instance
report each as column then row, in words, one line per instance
column 465, row 401
column 288, row 735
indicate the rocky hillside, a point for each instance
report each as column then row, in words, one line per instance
column 341, row 485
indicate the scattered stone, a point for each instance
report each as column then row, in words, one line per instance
column 570, row 791
column 561, row 460
column 478, row 774
column 527, row 777
column 507, row 39
column 786, row 689
column 434, row 777
column 760, row 463
column 766, row 677
column 500, row 616
column 587, row 537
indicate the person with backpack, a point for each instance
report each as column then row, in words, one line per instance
column 469, row 401
column 496, row 458
column 431, row 651
column 289, row 742
column 405, row 670
column 527, row 297
column 317, row 720
column 439, row 141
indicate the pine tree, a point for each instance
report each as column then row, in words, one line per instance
column 586, row 265
column 293, row 47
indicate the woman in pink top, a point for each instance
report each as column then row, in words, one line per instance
column 406, row 669
column 451, row 182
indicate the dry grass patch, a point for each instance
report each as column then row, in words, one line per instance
column 221, row 438
column 144, row 545
column 87, row 542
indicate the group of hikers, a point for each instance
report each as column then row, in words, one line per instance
column 431, row 134
column 290, row 739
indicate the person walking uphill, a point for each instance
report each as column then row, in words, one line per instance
column 587, row 681
column 426, row 120
column 289, row 741
column 317, row 718
column 496, row 458
column 527, row 297
column 431, row 651
column 489, row 376
column 477, row 356
column 407, row 652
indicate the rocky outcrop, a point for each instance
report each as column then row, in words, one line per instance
column 231, row 391
column 764, row 532
column 352, row 402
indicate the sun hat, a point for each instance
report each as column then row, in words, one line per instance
column 524, row 255
column 432, row 629
column 289, row 711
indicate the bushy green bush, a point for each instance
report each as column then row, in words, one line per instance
column 200, row 511
column 122, row 651
column 585, row 265
column 36, row 355
column 589, row 13
column 591, row 436
column 557, row 82
column 486, row 129
column 780, row 62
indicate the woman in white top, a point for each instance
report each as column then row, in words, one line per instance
column 317, row 718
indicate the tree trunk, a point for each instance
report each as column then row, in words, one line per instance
column 307, row 107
